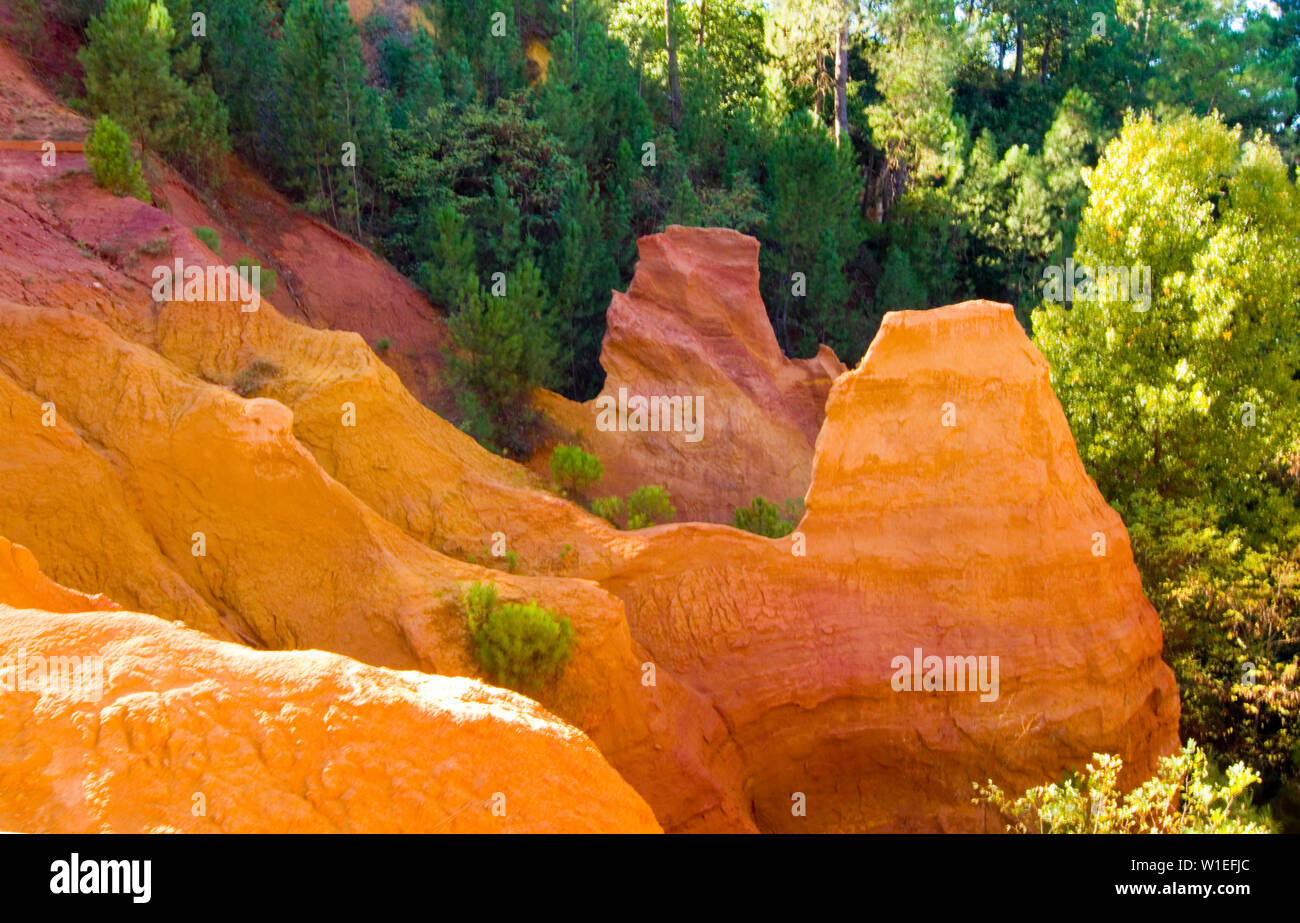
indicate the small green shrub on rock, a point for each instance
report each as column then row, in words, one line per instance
column 764, row 518
column 646, row 506
column 610, row 508
column 265, row 275
column 649, row 505
column 108, row 151
column 518, row 645
column 574, row 469
column 211, row 239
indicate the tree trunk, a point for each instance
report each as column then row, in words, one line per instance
column 1042, row 62
column 842, row 84
column 699, row 36
column 674, row 86
column 1020, row 46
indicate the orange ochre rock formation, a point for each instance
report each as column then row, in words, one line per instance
column 950, row 517
column 124, row 723
column 736, row 683
column 692, row 327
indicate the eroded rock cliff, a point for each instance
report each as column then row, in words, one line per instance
column 692, row 326
column 949, row 514
column 736, row 683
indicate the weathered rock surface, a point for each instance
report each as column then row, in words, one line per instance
column 130, row 724
column 65, row 243
column 332, row 507
column 65, row 501
column 287, row 557
column 22, row 585
column 692, row 324
column 970, row 539
column 407, row 463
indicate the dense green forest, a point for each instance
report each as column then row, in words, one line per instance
column 896, row 154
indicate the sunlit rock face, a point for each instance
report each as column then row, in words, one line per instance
column 698, row 396
column 233, row 526
column 116, row 722
column 949, row 517
column 735, row 683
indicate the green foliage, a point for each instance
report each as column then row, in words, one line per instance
column 1158, row 399
column 1230, row 609
column 1185, row 415
column 211, row 239
column 519, row 645
column 451, row 257
column 245, row 70
column 814, row 230
column 610, row 508
column 323, row 105
column 252, row 377
column 914, row 63
column 382, row 344
column 575, row 469
column 108, row 151
column 265, row 274
column 899, row 288
column 503, row 349
column 649, row 505
column 646, row 506
column 137, row 72
column 960, row 175
column 479, row 601
column 1180, row 798
column 770, row 519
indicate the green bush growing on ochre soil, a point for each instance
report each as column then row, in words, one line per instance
column 609, row 508
column 253, row 376
column 211, row 239
column 648, row 505
column 518, row 645
column 265, row 274
column 1179, row 798
column 574, row 469
column 108, row 151
column 764, row 518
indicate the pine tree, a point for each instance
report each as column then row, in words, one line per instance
column 814, row 230
column 451, row 258
column 242, row 61
column 127, row 61
column 325, row 104
column 133, row 75
column 504, row 347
